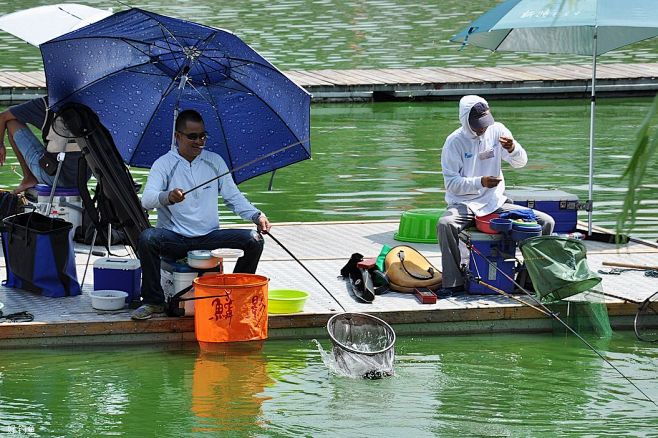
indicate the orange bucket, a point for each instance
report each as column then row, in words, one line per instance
column 230, row 307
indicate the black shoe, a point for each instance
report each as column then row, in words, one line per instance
column 447, row 292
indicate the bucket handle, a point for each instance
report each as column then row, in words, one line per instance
column 201, row 298
column 179, row 296
column 14, row 233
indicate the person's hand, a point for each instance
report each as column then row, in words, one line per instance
column 3, row 154
column 490, row 181
column 507, row 143
column 176, row 196
column 263, row 224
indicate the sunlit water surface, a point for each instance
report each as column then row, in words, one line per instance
column 502, row 385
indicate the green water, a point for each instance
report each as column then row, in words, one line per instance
column 336, row 34
column 502, row 385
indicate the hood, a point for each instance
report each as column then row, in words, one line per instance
column 465, row 105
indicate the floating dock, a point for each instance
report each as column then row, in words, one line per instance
column 369, row 85
column 323, row 248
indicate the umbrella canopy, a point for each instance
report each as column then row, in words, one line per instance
column 43, row 23
column 563, row 26
column 583, row 27
column 137, row 69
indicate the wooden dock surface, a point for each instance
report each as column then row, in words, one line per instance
column 324, row 248
column 328, row 85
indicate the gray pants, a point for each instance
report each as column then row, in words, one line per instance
column 457, row 218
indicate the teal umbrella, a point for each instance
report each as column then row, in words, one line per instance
column 582, row 27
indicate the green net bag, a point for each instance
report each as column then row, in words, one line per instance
column 557, row 267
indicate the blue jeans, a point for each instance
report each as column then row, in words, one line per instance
column 158, row 242
column 32, row 150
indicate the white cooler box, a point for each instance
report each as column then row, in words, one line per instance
column 67, row 203
column 174, row 277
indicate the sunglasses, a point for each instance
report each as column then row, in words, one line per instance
column 195, row 136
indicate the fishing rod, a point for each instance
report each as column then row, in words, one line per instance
column 307, row 270
column 471, row 247
column 505, row 294
column 235, row 169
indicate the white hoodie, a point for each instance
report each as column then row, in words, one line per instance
column 467, row 157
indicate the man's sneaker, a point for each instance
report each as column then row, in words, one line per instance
column 145, row 311
column 447, row 292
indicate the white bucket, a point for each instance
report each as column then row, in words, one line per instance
column 67, row 205
column 174, row 282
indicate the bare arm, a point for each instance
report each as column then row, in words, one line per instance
column 5, row 117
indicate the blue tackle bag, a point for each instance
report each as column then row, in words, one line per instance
column 39, row 255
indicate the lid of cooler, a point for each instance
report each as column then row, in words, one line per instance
column 227, row 253
column 116, row 263
column 482, row 237
column 518, row 195
column 44, row 190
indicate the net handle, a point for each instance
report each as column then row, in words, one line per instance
column 637, row 323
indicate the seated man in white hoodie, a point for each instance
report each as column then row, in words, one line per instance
column 471, row 162
column 190, row 221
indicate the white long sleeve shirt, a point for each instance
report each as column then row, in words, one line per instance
column 466, row 158
column 197, row 214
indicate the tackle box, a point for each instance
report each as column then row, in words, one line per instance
column 562, row 206
column 492, row 262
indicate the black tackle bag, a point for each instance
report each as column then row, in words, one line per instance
column 39, row 255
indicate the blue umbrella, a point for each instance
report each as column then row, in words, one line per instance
column 582, row 27
column 137, row 69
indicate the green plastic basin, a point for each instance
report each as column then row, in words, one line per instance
column 286, row 301
column 419, row 225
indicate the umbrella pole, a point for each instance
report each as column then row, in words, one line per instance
column 591, row 139
column 183, row 82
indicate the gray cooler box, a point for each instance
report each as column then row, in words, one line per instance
column 562, row 206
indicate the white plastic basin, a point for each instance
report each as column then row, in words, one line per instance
column 108, row 299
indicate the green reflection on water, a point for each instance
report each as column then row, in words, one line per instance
column 501, row 385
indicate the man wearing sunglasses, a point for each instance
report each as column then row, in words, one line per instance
column 190, row 221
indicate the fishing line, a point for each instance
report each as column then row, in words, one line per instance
column 235, row 169
column 307, row 270
column 557, row 318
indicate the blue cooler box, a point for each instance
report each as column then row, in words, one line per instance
column 562, row 206
column 497, row 255
column 118, row 274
